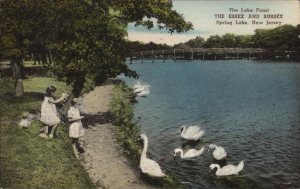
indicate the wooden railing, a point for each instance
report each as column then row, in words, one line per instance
column 203, row 54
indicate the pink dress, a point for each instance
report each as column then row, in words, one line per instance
column 49, row 115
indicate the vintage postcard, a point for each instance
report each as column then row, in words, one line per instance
column 150, row 94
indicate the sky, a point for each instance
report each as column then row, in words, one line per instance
column 203, row 14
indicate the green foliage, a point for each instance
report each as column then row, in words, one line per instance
column 121, row 104
column 82, row 38
column 28, row 161
column 139, row 46
column 198, row 42
column 127, row 132
column 141, row 13
column 281, row 38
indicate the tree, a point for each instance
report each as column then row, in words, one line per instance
column 198, row 42
column 281, row 38
column 214, row 41
column 244, row 41
column 84, row 37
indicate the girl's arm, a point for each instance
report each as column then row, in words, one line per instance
column 63, row 96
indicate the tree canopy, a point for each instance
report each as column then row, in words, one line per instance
column 280, row 38
column 82, row 37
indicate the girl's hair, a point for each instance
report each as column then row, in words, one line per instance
column 49, row 90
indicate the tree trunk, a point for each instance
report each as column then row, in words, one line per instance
column 19, row 88
column 18, row 73
column 78, row 85
column 44, row 59
column 33, row 58
column 17, row 69
column 77, row 88
column 49, row 57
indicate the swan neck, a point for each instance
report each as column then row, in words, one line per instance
column 145, row 147
column 181, row 152
column 216, row 166
column 183, row 129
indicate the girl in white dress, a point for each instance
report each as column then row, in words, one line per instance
column 76, row 129
column 49, row 115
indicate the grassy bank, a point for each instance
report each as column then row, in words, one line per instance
column 28, row 161
column 127, row 132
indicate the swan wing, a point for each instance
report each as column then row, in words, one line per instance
column 139, row 89
column 239, row 167
column 193, row 129
column 136, row 86
column 190, row 153
column 198, row 135
column 219, row 153
column 151, row 167
column 193, row 153
column 144, row 92
column 191, row 132
column 226, row 170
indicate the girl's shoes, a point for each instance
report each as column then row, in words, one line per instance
column 43, row 135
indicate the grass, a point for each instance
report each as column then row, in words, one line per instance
column 28, row 161
column 39, row 85
column 30, row 63
column 127, row 132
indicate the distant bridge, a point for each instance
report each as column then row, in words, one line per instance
column 206, row 54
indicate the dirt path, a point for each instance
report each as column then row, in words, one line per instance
column 104, row 161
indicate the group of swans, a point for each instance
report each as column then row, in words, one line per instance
column 219, row 153
column 141, row 89
column 192, row 133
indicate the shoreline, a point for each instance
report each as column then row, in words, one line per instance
column 111, row 147
column 103, row 158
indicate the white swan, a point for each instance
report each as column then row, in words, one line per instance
column 148, row 166
column 137, row 85
column 143, row 93
column 139, row 89
column 191, row 153
column 227, row 169
column 193, row 132
column 219, row 152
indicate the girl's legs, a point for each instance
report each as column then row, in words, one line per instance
column 44, row 132
column 44, row 129
column 74, row 146
column 52, row 131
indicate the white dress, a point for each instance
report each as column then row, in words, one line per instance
column 49, row 115
column 76, row 129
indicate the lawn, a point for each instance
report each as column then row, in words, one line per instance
column 28, row 161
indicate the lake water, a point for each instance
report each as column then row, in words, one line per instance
column 250, row 108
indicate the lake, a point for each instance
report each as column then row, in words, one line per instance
column 251, row 108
